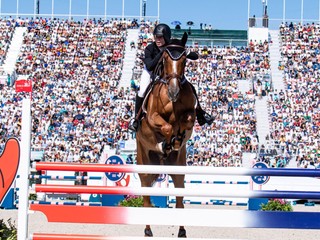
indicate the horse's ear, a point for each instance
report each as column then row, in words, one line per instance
column 192, row 56
column 184, row 39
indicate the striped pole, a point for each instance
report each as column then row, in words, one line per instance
column 59, row 177
column 174, row 192
column 65, row 203
column 44, row 236
column 214, row 182
column 202, row 170
column 211, row 202
column 182, row 217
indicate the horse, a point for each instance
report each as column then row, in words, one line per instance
column 168, row 120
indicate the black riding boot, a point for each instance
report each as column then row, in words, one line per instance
column 133, row 126
column 202, row 116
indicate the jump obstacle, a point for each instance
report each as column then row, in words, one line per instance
column 187, row 217
column 155, row 216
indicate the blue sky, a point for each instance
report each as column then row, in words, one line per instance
column 221, row 14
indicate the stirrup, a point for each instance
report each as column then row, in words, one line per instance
column 133, row 125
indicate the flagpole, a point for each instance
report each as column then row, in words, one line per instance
column 17, row 8
column 158, row 10
column 52, row 9
column 105, row 10
column 301, row 20
column 88, row 6
column 122, row 10
column 284, row 12
column 248, row 12
column 70, row 9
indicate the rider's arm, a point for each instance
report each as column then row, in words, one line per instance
column 150, row 60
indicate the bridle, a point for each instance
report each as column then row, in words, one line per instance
column 167, row 77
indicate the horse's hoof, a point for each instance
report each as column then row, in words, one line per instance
column 182, row 233
column 148, row 232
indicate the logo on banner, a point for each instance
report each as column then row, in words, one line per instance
column 162, row 178
column 260, row 179
column 113, row 176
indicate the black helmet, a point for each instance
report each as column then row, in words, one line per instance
column 164, row 31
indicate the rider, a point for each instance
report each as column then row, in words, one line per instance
column 153, row 52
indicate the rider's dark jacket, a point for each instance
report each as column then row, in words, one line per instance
column 152, row 55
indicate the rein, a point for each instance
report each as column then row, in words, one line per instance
column 158, row 68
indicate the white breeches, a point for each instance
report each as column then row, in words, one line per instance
column 144, row 82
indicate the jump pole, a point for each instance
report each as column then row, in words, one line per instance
column 43, row 236
column 150, row 191
column 196, row 170
column 186, row 217
column 24, row 169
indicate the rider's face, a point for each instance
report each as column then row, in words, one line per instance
column 159, row 41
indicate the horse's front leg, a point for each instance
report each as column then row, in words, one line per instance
column 162, row 126
column 187, row 119
column 178, row 181
column 186, row 124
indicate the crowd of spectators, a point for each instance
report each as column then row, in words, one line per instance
column 78, row 108
column 6, row 31
column 295, row 111
column 75, row 68
column 218, row 71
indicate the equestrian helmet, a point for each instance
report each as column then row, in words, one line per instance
column 164, row 31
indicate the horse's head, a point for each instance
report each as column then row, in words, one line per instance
column 174, row 62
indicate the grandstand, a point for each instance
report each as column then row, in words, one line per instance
column 263, row 92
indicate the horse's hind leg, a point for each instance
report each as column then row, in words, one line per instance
column 178, row 181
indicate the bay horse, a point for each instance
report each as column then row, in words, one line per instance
column 169, row 119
